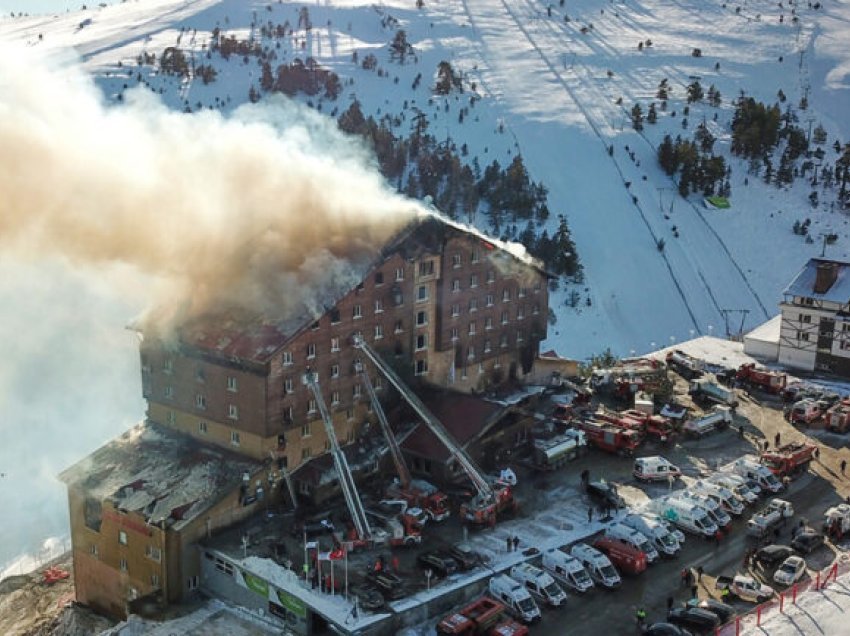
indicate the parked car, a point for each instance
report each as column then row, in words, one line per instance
column 466, row 557
column 439, row 562
column 792, row 570
column 723, row 611
column 666, row 629
column 772, row 555
column 807, row 541
column 314, row 528
column 695, row 619
column 605, row 493
column 368, row 596
column 388, row 584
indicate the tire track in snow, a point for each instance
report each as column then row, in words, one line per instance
column 721, row 243
column 599, row 135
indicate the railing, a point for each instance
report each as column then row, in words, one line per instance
column 760, row 613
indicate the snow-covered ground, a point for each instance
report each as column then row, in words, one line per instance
column 824, row 612
column 545, row 91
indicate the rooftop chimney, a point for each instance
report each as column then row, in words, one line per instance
column 826, row 275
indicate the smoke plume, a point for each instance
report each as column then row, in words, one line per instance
column 260, row 210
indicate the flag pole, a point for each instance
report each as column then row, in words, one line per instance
column 345, row 555
column 306, row 560
column 333, row 592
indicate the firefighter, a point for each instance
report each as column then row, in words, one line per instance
column 724, row 595
column 640, row 617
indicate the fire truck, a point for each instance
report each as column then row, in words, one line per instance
column 611, row 438
column 685, row 365
column 770, row 381
column 655, row 426
column 806, row 411
column 486, row 617
column 790, row 460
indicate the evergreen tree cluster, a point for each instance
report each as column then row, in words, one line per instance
column 699, row 170
column 755, row 128
column 173, row 62
column 300, row 77
column 447, row 79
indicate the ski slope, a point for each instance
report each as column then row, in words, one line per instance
column 544, row 89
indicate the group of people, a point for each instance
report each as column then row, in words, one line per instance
column 512, row 543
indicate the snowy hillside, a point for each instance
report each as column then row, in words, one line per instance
column 554, row 82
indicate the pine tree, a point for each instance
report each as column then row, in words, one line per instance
column 637, row 117
column 651, row 115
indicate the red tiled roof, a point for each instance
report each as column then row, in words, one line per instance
column 464, row 416
column 232, row 339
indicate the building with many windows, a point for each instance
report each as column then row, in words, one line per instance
column 814, row 332
column 444, row 305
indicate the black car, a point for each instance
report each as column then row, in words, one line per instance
column 388, row 584
column 440, row 563
column 694, row 618
column 466, row 557
column 314, row 528
column 604, row 493
column 772, row 555
column 807, row 541
column 368, row 596
column 723, row 611
column 665, row 629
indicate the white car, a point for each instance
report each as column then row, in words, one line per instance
column 792, row 570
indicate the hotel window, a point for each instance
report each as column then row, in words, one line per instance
column 535, row 309
column 455, row 310
column 399, row 326
column 506, row 295
column 456, row 261
column 489, row 300
column 426, row 268
column 93, row 549
column 305, row 454
column 349, row 414
column 421, row 318
column 491, row 276
column 807, row 318
column 357, row 391
column 287, row 385
column 123, row 565
column 487, row 347
column 287, row 358
column 421, row 367
column 154, row 554
column 234, row 438
column 334, row 398
column 473, row 280
column 454, row 336
column 379, row 332
column 379, row 306
column 471, row 329
column 169, row 392
column 335, row 371
column 802, row 336
column 504, row 317
column 473, row 304
column 305, row 429
column 379, row 278
column 200, row 376
column 202, row 427
column 378, row 383
column 473, row 257
column 456, row 285
column 311, row 406
column 399, row 274
column 233, row 411
column 519, row 336
column 171, row 418
column 201, row 401
column 503, row 340
column 193, row 582
column 520, row 313
column 287, row 415
column 488, row 323
column 421, row 342
column 334, row 345
column 231, row 384
column 422, row 293
column 470, row 355
column 154, row 581
column 537, row 287
column 122, row 537
column 522, row 292
column 168, row 365
column 334, row 316
column 311, row 351
column 357, row 312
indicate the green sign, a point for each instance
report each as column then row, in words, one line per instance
column 256, row 584
column 292, row 604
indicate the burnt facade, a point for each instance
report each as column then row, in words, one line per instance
column 443, row 305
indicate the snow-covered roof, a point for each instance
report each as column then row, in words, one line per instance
column 804, row 282
column 767, row 331
column 159, row 473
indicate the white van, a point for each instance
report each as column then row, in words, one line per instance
column 736, row 484
column 567, row 569
column 654, row 530
column 633, row 538
column 760, row 474
column 686, row 515
column 728, row 499
column 711, row 504
column 655, row 468
column 515, row 597
column 597, row 565
column 541, row 585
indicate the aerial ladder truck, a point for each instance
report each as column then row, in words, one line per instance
column 346, row 481
column 489, row 500
column 416, row 492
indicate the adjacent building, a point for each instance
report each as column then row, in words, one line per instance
column 814, row 333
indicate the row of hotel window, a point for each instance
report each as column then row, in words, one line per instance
column 200, row 375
